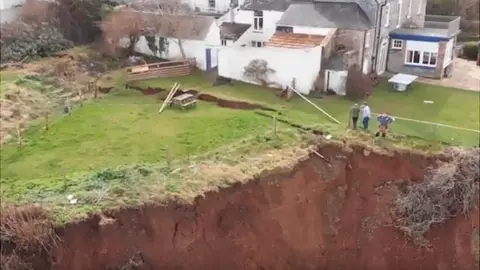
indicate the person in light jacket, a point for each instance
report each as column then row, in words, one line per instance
column 366, row 115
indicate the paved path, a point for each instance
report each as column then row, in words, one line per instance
column 466, row 75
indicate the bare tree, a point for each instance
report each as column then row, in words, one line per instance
column 123, row 23
column 259, row 71
column 170, row 19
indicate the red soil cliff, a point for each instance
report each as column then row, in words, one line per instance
column 324, row 215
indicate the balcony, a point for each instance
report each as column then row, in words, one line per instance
column 450, row 23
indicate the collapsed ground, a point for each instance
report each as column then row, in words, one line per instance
column 117, row 151
column 102, row 142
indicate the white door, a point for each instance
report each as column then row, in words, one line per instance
column 382, row 57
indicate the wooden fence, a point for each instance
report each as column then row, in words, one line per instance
column 160, row 70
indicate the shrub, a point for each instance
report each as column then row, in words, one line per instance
column 358, row 85
column 449, row 190
column 20, row 40
column 29, row 228
column 259, row 71
column 470, row 50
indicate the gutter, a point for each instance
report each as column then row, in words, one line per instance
column 378, row 31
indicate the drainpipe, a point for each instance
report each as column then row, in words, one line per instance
column 232, row 15
column 363, row 50
column 378, row 31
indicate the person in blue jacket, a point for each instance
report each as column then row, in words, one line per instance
column 384, row 120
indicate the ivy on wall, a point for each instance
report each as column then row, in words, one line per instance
column 158, row 48
column 152, row 44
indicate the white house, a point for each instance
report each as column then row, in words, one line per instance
column 213, row 6
column 9, row 9
column 201, row 6
column 198, row 36
column 295, row 58
column 298, row 40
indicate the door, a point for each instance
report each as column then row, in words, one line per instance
column 382, row 57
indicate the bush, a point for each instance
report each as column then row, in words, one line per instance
column 449, row 190
column 358, row 85
column 470, row 51
column 20, row 40
column 258, row 71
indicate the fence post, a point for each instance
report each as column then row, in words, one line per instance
column 167, row 157
column 275, row 126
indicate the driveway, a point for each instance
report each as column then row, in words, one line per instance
column 465, row 75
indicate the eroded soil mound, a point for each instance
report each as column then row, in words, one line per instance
column 334, row 211
column 68, row 78
column 19, row 106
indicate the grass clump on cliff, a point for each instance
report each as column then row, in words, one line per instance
column 27, row 229
column 448, row 190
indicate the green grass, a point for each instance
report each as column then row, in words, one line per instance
column 451, row 107
column 124, row 129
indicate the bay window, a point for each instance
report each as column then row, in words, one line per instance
column 419, row 58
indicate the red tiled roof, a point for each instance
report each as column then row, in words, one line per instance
column 294, row 41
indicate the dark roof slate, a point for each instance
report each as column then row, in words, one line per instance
column 232, row 31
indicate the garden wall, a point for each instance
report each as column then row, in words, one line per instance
column 301, row 64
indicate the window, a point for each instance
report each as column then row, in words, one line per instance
column 421, row 58
column 387, row 15
column 399, row 13
column 258, row 20
column 211, row 3
column 257, row 44
column 397, row 44
column 409, row 14
column 420, row 6
column 224, row 42
column 285, row 29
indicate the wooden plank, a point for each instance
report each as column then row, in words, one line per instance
column 169, row 97
column 158, row 74
column 138, row 69
column 152, row 76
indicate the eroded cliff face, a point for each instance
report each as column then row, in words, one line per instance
column 329, row 213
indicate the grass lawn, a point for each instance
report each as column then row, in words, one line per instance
column 451, row 107
column 125, row 129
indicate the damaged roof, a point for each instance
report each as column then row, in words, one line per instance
column 294, row 41
column 332, row 14
column 232, row 31
column 273, row 5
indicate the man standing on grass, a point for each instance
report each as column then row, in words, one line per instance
column 354, row 113
column 384, row 119
column 366, row 114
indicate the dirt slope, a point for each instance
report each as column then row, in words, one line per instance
column 333, row 215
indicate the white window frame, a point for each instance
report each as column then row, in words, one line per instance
column 397, row 47
column 387, row 17
column 421, row 58
column 420, row 7
column 223, row 42
column 409, row 12
column 257, row 44
column 258, row 22
column 400, row 6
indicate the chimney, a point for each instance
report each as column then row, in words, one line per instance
column 232, row 15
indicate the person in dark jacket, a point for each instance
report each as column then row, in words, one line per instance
column 354, row 114
column 384, row 121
